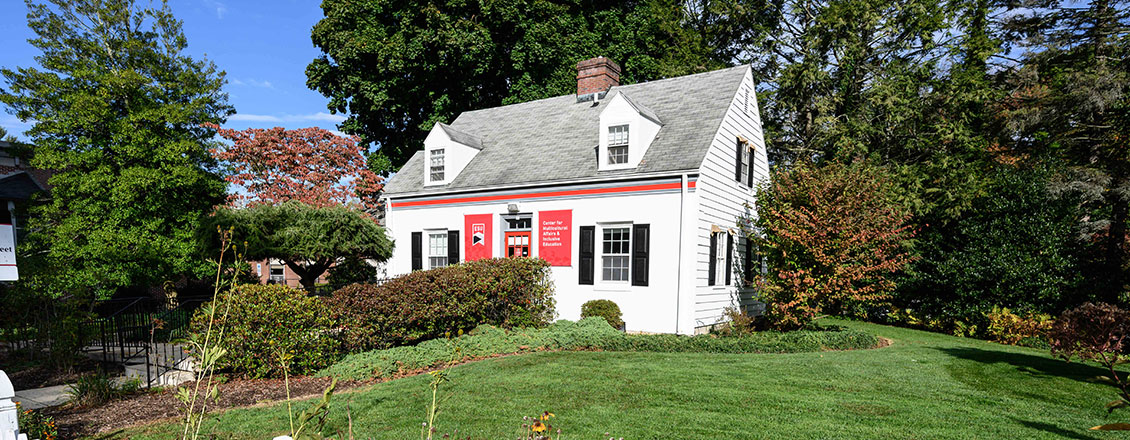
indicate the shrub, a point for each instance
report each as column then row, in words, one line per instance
column 605, row 309
column 1019, row 251
column 587, row 334
column 262, row 322
column 512, row 292
column 1006, row 327
column 833, row 238
column 96, row 389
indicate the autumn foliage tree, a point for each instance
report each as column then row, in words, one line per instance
column 831, row 236
column 308, row 165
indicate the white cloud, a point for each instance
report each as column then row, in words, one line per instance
column 252, row 82
column 245, row 117
column 220, row 8
column 313, row 117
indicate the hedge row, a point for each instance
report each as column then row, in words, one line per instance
column 514, row 292
column 590, row 333
column 266, row 323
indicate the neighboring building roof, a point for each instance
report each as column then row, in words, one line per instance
column 556, row 139
column 469, row 140
column 18, row 185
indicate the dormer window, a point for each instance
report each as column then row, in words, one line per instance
column 437, row 165
column 618, row 144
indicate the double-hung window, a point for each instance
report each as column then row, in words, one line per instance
column 618, row 144
column 437, row 165
column 615, row 253
column 437, row 249
column 746, row 160
column 720, row 258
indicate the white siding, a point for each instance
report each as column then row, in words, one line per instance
column 722, row 200
column 651, row 308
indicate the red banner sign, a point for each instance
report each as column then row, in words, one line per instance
column 555, row 237
column 477, row 229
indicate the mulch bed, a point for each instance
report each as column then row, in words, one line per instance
column 159, row 404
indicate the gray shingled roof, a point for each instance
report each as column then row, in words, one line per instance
column 555, row 139
column 467, row 139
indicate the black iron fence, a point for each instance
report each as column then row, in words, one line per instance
column 143, row 335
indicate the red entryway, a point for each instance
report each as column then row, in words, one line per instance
column 518, row 244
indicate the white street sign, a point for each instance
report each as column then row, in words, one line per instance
column 8, row 270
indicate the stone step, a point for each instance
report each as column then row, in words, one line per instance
column 157, row 376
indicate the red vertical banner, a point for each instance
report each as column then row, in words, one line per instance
column 477, row 229
column 555, row 237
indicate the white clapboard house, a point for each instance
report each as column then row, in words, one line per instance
column 631, row 192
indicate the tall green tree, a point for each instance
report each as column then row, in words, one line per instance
column 118, row 111
column 848, row 74
column 398, row 67
column 1070, row 99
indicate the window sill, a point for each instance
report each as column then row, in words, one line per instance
column 609, row 287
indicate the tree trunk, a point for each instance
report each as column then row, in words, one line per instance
column 308, row 275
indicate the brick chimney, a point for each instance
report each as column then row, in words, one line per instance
column 596, row 75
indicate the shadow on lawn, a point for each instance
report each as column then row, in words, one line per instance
column 1053, row 429
column 1037, row 366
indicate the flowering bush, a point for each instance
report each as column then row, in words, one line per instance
column 510, row 292
column 36, row 424
column 833, row 237
column 262, row 322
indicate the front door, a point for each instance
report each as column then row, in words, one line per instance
column 518, row 244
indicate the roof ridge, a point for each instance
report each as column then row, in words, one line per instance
column 613, row 88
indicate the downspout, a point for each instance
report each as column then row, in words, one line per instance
column 679, row 276
column 15, row 226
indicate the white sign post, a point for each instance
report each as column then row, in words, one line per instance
column 8, row 270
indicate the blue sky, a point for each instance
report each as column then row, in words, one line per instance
column 264, row 45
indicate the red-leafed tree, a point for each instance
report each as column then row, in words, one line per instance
column 308, row 165
column 832, row 236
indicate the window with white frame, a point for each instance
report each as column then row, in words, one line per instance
column 615, row 255
column 437, row 165
column 618, row 144
column 437, row 249
column 720, row 259
column 747, row 159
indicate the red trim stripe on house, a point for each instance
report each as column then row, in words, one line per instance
column 574, row 192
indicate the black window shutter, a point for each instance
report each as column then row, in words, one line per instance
column 738, row 170
column 452, row 247
column 417, row 250
column 729, row 256
column 712, row 265
column 752, row 156
column 588, row 255
column 747, row 262
column 641, row 238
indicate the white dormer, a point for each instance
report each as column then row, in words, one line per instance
column 626, row 131
column 446, row 152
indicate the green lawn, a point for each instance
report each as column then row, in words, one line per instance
column 925, row 386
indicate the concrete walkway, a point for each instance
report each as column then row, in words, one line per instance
column 42, row 397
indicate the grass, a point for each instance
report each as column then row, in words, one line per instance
column 925, row 386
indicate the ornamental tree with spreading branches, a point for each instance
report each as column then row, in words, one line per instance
column 831, row 237
column 308, row 165
column 307, row 239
